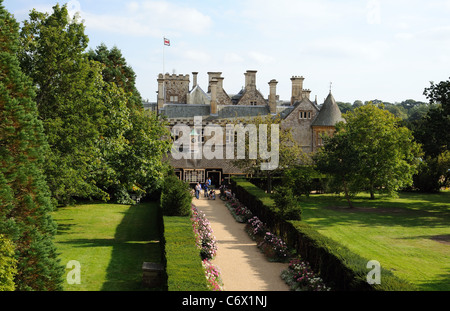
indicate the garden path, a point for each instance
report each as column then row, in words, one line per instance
column 243, row 267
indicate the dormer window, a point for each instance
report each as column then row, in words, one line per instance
column 305, row 115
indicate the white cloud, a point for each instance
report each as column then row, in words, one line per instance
column 233, row 58
column 260, row 57
column 197, row 56
column 151, row 18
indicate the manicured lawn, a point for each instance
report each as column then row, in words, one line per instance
column 110, row 242
column 406, row 234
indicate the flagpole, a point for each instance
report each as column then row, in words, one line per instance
column 164, row 45
column 164, row 69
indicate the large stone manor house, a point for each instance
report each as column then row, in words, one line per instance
column 180, row 102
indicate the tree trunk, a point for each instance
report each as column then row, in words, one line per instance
column 269, row 182
column 372, row 193
column 347, row 195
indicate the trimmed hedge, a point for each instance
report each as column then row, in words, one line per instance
column 183, row 263
column 336, row 264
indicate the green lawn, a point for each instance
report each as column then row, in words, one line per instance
column 110, row 242
column 404, row 234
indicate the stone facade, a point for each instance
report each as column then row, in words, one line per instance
column 307, row 120
column 300, row 122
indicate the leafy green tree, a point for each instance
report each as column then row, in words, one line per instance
column 371, row 151
column 117, row 71
column 287, row 203
column 339, row 159
column 135, row 160
column 433, row 132
column 69, row 100
column 25, row 204
column 387, row 152
column 344, row 107
column 433, row 173
column 103, row 145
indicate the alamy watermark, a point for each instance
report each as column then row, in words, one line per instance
column 190, row 145
column 74, row 275
column 373, row 12
column 374, row 275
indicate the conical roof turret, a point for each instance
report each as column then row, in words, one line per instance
column 329, row 114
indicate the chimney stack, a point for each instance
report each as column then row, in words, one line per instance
column 273, row 96
column 161, row 90
column 297, row 89
column 250, row 79
column 213, row 84
column 213, row 75
column 194, row 79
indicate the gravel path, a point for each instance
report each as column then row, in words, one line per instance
column 243, row 267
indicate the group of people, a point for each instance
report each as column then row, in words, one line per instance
column 208, row 193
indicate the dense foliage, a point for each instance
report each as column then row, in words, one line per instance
column 8, row 264
column 176, row 198
column 370, row 151
column 25, row 204
column 103, row 145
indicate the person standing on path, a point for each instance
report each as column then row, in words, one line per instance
column 197, row 190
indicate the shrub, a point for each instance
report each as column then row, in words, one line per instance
column 8, row 264
column 287, row 203
column 257, row 227
column 274, row 247
column 300, row 276
column 176, row 197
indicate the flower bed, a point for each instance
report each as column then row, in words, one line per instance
column 205, row 239
column 206, row 242
column 300, row 277
column 270, row 244
column 239, row 211
column 213, row 277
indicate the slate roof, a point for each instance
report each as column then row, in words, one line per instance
column 329, row 114
column 185, row 111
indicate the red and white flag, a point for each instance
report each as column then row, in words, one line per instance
column 166, row 42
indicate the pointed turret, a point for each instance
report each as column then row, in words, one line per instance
column 329, row 114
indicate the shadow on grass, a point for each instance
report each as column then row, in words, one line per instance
column 136, row 241
column 409, row 210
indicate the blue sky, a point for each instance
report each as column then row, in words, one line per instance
column 368, row 49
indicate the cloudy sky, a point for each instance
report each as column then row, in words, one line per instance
column 368, row 49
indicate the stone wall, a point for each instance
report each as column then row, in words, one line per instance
column 300, row 124
column 177, row 88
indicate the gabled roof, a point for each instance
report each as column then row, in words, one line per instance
column 329, row 114
column 297, row 103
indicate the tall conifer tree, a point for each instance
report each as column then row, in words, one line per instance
column 25, row 204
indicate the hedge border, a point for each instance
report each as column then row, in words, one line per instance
column 336, row 264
